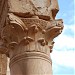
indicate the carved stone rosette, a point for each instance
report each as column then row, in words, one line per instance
column 28, row 43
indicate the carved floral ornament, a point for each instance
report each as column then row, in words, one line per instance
column 25, row 30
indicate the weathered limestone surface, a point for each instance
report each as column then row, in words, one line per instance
column 45, row 9
column 27, row 30
column 3, row 64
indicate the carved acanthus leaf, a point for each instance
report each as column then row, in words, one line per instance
column 12, row 45
column 51, row 46
column 54, row 29
column 26, row 40
column 42, row 41
column 35, row 28
column 15, row 20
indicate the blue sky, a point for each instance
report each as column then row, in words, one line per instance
column 64, row 50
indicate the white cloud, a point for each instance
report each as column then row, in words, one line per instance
column 63, row 41
column 64, row 58
column 63, row 51
column 71, row 27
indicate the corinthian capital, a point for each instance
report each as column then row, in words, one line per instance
column 32, row 34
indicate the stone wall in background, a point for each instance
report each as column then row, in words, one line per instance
column 3, row 64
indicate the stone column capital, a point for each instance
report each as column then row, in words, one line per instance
column 34, row 34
